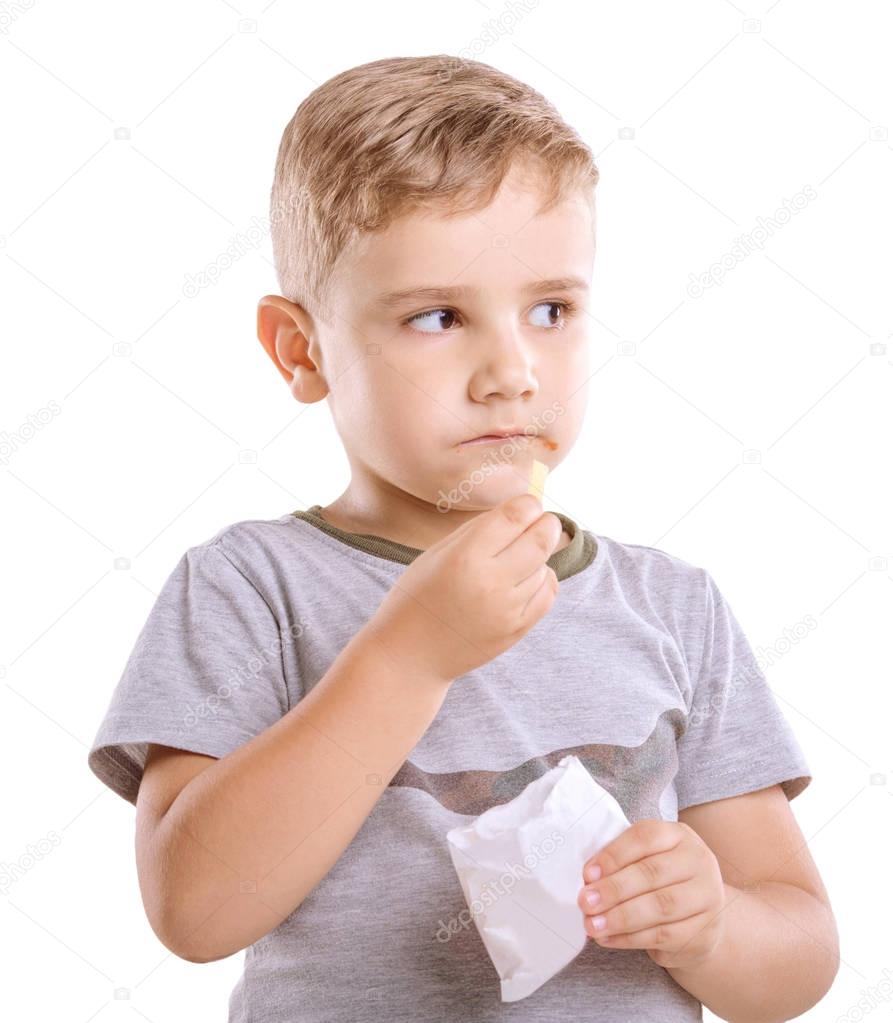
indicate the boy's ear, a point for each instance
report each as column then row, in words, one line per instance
column 284, row 328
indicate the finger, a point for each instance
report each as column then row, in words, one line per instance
column 476, row 523
column 644, row 838
column 673, row 936
column 494, row 530
column 539, row 603
column 664, row 906
column 526, row 589
column 530, row 549
column 645, row 875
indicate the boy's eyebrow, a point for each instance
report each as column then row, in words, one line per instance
column 449, row 293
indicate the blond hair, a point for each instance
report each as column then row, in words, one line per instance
column 381, row 139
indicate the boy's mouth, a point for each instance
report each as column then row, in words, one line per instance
column 494, row 438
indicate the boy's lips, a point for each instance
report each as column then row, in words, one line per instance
column 494, row 438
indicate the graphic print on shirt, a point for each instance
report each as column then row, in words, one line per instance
column 634, row 775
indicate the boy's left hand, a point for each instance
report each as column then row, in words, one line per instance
column 660, row 889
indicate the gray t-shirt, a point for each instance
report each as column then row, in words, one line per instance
column 639, row 668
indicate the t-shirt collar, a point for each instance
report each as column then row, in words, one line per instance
column 578, row 554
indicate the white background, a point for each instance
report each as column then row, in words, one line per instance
column 746, row 430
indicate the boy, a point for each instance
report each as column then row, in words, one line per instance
column 315, row 700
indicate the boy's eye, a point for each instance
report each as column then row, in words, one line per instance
column 429, row 323
column 550, row 306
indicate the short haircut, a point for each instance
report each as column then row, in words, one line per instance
column 385, row 138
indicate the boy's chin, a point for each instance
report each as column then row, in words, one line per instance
column 467, row 495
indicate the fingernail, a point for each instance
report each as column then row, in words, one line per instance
column 598, row 922
column 592, row 899
column 593, row 873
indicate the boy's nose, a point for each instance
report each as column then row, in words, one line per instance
column 505, row 371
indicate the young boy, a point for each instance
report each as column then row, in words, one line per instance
column 316, row 699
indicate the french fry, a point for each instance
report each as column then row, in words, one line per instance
column 537, row 483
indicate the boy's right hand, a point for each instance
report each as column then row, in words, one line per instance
column 473, row 594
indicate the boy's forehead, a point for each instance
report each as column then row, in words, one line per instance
column 510, row 243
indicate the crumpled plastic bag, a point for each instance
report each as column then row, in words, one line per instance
column 520, row 865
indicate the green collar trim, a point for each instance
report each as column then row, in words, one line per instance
column 579, row 553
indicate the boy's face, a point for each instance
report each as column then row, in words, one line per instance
column 411, row 380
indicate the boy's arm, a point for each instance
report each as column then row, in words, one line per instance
column 727, row 899
column 780, row 950
column 249, row 836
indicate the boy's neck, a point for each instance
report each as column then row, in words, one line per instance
column 404, row 523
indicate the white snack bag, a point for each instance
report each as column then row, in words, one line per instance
column 541, row 839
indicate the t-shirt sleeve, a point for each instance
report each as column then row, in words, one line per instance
column 205, row 674
column 737, row 739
